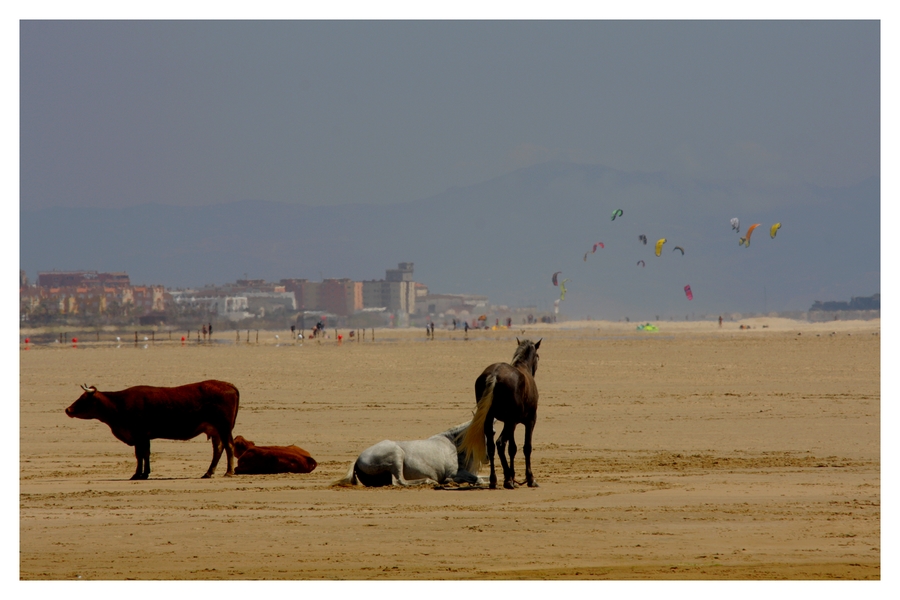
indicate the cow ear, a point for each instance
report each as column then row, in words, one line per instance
column 537, row 344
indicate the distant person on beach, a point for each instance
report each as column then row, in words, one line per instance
column 720, row 320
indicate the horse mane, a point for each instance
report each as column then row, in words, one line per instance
column 524, row 353
column 455, row 432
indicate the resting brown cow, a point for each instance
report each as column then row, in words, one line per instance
column 263, row 460
column 143, row 413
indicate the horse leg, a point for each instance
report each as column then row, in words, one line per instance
column 397, row 472
column 394, row 461
column 501, row 451
column 396, row 469
column 508, row 435
column 526, row 448
column 512, row 456
column 398, row 479
column 489, row 435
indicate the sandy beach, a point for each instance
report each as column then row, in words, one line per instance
column 693, row 452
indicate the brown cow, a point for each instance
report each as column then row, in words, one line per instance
column 143, row 413
column 263, row 460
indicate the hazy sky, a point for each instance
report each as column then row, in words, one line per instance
column 120, row 113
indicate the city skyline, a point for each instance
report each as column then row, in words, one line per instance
column 300, row 147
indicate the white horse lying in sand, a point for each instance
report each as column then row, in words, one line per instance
column 436, row 460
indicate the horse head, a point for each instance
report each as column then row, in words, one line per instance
column 467, row 466
column 526, row 355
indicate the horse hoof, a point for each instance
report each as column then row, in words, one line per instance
column 533, row 484
column 206, row 476
column 493, row 485
column 136, row 477
column 509, row 485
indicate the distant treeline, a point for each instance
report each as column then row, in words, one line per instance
column 861, row 303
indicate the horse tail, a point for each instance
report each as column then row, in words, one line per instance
column 474, row 442
column 348, row 480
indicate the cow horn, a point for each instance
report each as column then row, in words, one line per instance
column 89, row 390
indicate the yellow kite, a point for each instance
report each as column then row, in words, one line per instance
column 659, row 245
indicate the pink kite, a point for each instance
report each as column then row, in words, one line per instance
column 688, row 292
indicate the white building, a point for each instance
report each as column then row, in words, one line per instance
column 233, row 308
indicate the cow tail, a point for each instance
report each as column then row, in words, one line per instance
column 474, row 442
column 348, row 480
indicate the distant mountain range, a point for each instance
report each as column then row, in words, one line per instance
column 504, row 238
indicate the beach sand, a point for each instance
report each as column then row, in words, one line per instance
column 693, row 452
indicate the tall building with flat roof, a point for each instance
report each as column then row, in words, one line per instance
column 403, row 272
column 395, row 296
column 340, row 296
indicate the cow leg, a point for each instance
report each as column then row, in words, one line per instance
column 142, row 454
column 526, row 448
column 218, row 446
column 229, row 453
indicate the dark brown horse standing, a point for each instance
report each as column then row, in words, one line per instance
column 508, row 393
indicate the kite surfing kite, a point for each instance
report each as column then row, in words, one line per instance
column 597, row 245
column 746, row 241
column 678, row 248
column 554, row 278
column 643, row 238
column 617, row 213
column 642, row 263
column 774, row 230
column 659, row 245
column 688, row 292
column 736, row 224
